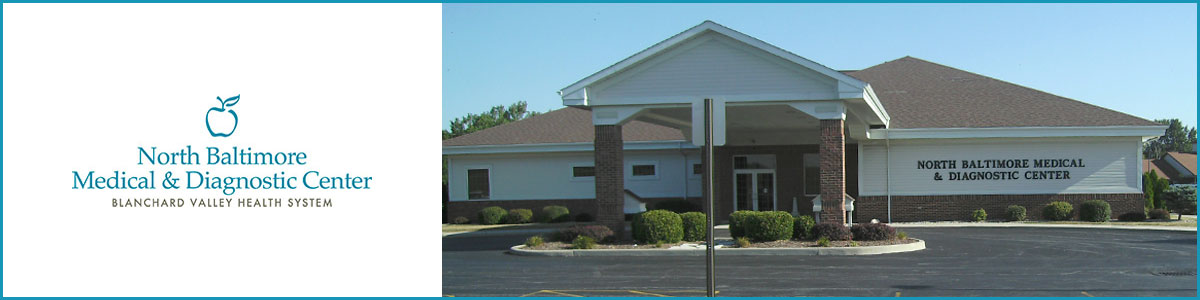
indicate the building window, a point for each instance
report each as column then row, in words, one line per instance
column 697, row 169
column 478, row 184
column 643, row 170
column 812, row 174
column 583, row 171
column 755, row 161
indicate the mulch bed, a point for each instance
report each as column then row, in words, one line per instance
column 774, row 244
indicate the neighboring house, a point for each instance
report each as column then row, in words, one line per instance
column 1177, row 167
column 906, row 140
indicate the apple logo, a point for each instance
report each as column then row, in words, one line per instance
column 221, row 121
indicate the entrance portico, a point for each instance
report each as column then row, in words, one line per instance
column 777, row 116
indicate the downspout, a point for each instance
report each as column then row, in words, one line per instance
column 888, row 169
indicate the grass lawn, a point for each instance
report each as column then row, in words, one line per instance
column 447, row 228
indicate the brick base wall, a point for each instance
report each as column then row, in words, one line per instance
column 959, row 207
column 470, row 209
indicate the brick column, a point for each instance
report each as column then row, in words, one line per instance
column 610, row 178
column 833, row 171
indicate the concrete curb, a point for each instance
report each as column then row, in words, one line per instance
column 864, row 250
column 1027, row 225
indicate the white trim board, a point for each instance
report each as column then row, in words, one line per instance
column 1003, row 132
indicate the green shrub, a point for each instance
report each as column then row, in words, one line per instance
column 823, row 242
column 853, row 244
column 678, row 206
column 635, row 224
column 492, row 215
column 660, row 225
column 873, row 232
column 1180, row 199
column 694, row 226
column 737, row 221
column 596, row 232
column 833, row 231
column 1133, row 216
column 742, row 242
column 554, row 214
column 979, row 215
column 534, row 241
column 902, row 235
column 1095, row 211
column 769, row 226
column 803, row 227
column 460, row 220
column 518, row 216
column 1159, row 214
column 1057, row 211
column 583, row 242
column 1015, row 213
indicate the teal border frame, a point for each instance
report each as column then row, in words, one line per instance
column 2, row 2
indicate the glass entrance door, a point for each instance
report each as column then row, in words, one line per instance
column 754, row 190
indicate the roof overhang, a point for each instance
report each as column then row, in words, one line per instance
column 1016, row 132
column 561, row 147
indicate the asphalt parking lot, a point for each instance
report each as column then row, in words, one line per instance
column 957, row 262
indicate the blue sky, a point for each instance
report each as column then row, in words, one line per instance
column 1134, row 58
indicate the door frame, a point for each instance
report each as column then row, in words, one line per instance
column 754, row 187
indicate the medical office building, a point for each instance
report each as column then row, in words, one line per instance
column 906, row 140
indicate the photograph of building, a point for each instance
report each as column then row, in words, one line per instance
column 905, row 140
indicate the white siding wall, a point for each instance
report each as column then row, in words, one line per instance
column 1112, row 166
column 712, row 65
column 548, row 175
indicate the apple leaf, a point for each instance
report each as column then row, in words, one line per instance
column 232, row 100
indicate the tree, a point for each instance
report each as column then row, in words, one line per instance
column 498, row 115
column 1177, row 138
column 1152, row 188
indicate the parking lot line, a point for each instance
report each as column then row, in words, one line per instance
column 1085, row 293
column 648, row 294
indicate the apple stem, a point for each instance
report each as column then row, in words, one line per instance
column 222, row 102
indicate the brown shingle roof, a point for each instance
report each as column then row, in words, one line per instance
column 921, row 94
column 565, row 125
column 1188, row 160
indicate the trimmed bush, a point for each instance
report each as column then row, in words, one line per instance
column 833, row 231
column 1133, row 216
column 554, row 214
column 823, row 242
column 583, row 242
column 769, row 226
column 492, row 215
column 678, row 206
column 873, row 232
column 659, row 226
column 902, row 235
column 802, row 228
column 460, row 220
column 1159, row 214
column 584, row 217
column 635, row 224
column 694, row 224
column 518, row 216
column 1015, row 213
column 598, row 233
column 1057, row 211
column 1095, row 211
column 979, row 215
column 737, row 221
column 534, row 241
